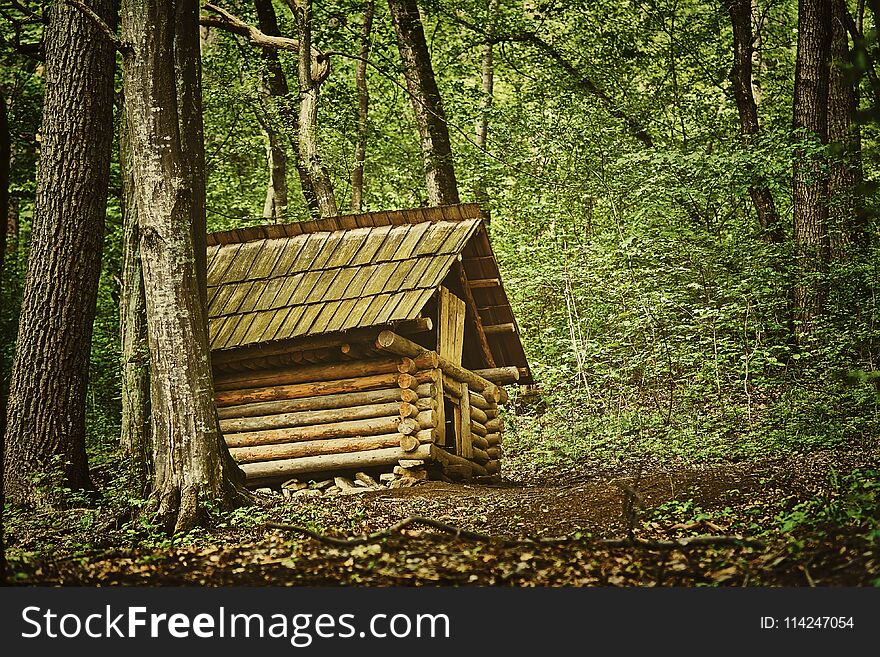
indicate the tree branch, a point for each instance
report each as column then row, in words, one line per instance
column 100, row 24
column 231, row 23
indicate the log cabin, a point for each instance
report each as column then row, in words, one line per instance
column 354, row 342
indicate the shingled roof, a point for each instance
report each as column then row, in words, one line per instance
column 276, row 282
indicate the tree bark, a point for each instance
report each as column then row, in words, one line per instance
column 45, row 436
column 162, row 83
column 487, row 88
column 742, row 80
column 274, row 88
column 810, row 180
column 5, row 164
column 426, row 102
column 135, row 352
column 845, row 196
column 360, row 147
column 309, row 83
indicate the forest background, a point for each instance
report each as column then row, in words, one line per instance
column 650, row 171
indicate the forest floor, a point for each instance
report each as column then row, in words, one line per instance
column 816, row 515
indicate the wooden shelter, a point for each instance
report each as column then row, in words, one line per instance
column 352, row 342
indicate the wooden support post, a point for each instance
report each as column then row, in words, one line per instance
column 475, row 314
column 465, row 431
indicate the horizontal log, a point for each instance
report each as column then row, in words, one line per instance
column 495, row 329
column 372, row 427
column 424, row 420
column 493, row 466
column 324, row 402
column 313, row 448
column 499, row 375
column 480, row 442
column 478, row 401
column 480, row 456
column 494, row 452
column 394, row 343
column 478, row 429
column 478, row 415
column 492, row 412
column 308, row 418
column 493, row 439
column 309, row 342
column 474, row 283
column 255, row 363
column 268, row 470
column 405, row 409
column 451, row 387
column 448, row 458
column 407, row 443
column 301, row 390
column 313, row 373
column 503, row 397
column 426, row 404
column 495, row 425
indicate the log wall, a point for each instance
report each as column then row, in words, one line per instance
column 293, row 420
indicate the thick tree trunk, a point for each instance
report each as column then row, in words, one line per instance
column 135, row 434
column 162, row 82
column 322, row 185
column 810, row 183
column 5, row 164
column 360, row 147
column 742, row 80
column 426, row 102
column 487, row 88
column 845, row 196
column 45, row 436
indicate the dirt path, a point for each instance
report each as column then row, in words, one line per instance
column 743, row 498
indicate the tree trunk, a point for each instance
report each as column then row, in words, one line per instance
column 135, row 434
column 742, row 80
column 322, row 185
column 845, row 196
column 810, row 180
column 487, row 87
column 162, row 82
column 273, row 85
column 45, row 433
column 279, row 102
column 426, row 102
column 5, row 163
column 360, row 147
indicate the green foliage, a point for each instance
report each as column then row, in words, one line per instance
column 851, row 501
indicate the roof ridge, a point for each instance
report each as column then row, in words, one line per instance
column 458, row 212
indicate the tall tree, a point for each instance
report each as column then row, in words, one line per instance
column 310, row 77
column 487, row 86
column 845, row 195
column 135, row 434
column 742, row 80
column 426, row 102
column 162, row 83
column 363, row 95
column 810, row 181
column 45, row 434
column 5, row 163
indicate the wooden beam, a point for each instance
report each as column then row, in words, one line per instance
column 474, row 283
column 309, row 342
column 396, row 344
column 500, row 375
column 494, row 329
column 475, row 314
column 333, row 462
